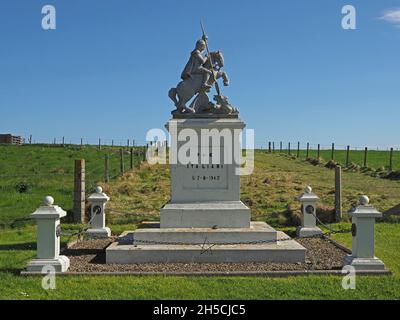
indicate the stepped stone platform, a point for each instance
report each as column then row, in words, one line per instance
column 258, row 231
column 187, row 245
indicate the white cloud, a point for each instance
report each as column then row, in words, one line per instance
column 392, row 16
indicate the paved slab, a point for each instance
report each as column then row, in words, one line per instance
column 283, row 250
column 258, row 231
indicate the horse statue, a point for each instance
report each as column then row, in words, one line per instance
column 191, row 86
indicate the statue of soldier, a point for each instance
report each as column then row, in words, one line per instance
column 195, row 65
column 200, row 74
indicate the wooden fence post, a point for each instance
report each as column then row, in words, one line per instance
column 318, row 151
column 106, row 168
column 289, row 148
column 273, row 147
column 308, row 150
column 298, row 149
column 365, row 157
column 79, row 192
column 338, row 193
column 269, row 147
column 347, row 156
column 280, row 148
column 63, row 141
column 30, row 139
column 131, row 158
column 99, row 143
column 333, row 152
column 391, row 160
column 121, row 160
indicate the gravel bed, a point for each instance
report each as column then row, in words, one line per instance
column 89, row 256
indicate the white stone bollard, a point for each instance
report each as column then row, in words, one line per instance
column 308, row 202
column 363, row 229
column 48, row 238
column 98, row 227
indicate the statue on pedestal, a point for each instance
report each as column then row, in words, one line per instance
column 198, row 77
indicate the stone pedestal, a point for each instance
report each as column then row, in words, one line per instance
column 205, row 221
column 205, row 189
column 221, row 214
column 308, row 226
column 48, row 238
column 363, row 230
column 98, row 227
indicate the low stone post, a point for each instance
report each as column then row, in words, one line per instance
column 48, row 238
column 97, row 203
column 363, row 230
column 308, row 226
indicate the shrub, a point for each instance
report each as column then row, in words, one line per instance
column 326, row 214
column 394, row 175
column 353, row 167
column 331, row 164
column 22, row 187
column 315, row 161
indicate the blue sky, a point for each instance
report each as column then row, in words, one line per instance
column 295, row 73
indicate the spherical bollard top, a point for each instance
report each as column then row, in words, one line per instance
column 48, row 201
column 364, row 200
column 308, row 190
column 99, row 189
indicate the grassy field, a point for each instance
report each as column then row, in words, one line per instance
column 45, row 169
column 269, row 191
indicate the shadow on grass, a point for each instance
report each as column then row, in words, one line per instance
column 13, row 271
column 18, row 246
column 392, row 211
column 82, row 252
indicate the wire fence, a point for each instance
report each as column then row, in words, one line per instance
column 380, row 158
column 30, row 139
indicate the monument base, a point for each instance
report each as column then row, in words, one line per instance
column 61, row 264
column 101, row 233
column 308, row 232
column 259, row 243
column 217, row 214
column 258, row 232
column 364, row 264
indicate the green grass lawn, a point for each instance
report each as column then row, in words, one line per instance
column 274, row 184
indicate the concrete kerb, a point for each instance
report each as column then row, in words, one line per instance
column 272, row 274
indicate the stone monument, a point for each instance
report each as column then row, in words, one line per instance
column 205, row 221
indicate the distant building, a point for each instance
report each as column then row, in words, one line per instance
column 10, row 139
